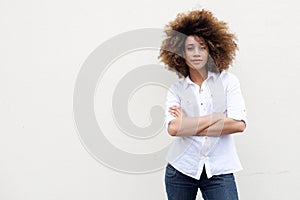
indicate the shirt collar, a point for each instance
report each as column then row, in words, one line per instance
column 188, row 81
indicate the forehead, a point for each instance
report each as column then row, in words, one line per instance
column 193, row 39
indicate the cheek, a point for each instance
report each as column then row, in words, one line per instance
column 205, row 56
column 188, row 55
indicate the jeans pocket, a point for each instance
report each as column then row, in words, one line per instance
column 229, row 176
column 224, row 177
column 170, row 171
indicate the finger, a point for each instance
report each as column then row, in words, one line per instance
column 174, row 107
column 177, row 113
column 174, row 113
column 178, row 110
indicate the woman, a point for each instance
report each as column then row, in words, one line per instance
column 203, row 110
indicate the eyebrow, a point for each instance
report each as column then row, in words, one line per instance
column 202, row 44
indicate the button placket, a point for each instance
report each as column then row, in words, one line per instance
column 205, row 100
column 205, row 147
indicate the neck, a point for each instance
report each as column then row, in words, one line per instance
column 198, row 76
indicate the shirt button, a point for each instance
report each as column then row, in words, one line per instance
column 201, row 103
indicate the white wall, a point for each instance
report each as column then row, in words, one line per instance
column 43, row 45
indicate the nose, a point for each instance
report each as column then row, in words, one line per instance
column 196, row 53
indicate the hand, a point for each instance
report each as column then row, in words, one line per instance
column 176, row 111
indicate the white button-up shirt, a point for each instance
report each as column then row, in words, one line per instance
column 220, row 92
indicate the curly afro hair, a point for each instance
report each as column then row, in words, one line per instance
column 202, row 23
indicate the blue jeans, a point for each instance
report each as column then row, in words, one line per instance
column 182, row 187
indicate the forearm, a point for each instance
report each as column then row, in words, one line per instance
column 188, row 126
column 223, row 127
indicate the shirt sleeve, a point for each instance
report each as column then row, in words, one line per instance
column 172, row 99
column 235, row 102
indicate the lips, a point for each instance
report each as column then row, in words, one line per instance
column 196, row 61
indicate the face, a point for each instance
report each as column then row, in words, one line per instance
column 196, row 52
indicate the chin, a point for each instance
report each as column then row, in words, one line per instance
column 198, row 67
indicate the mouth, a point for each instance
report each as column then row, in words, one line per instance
column 196, row 61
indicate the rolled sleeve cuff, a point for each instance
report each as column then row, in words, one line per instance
column 242, row 116
column 167, row 121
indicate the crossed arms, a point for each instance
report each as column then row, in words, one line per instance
column 209, row 125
